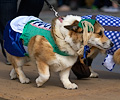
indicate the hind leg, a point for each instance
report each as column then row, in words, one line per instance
column 13, row 74
column 17, row 63
column 19, row 70
column 44, row 74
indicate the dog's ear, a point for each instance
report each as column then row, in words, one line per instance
column 98, row 27
column 74, row 28
column 71, row 27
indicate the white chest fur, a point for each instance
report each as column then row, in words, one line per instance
column 62, row 62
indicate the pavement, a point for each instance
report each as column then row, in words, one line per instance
column 106, row 87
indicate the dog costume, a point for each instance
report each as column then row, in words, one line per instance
column 111, row 25
column 12, row 33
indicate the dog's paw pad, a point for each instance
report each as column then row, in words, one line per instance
column 25, row 80
column 94, row 75
column 71, row 86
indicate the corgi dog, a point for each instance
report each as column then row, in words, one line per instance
column 56, row 48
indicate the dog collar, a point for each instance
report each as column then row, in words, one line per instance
column 92, row 21
column 60, row 19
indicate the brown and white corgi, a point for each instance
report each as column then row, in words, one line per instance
column 68, row 37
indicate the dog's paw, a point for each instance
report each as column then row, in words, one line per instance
column 71, row 86
column 39, row 84
column 13, row 74
column 94, row 75
column 12, row 77
column 24, row 80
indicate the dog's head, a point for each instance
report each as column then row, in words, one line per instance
column 66, row 29
column 70, row 30
column 98, row 38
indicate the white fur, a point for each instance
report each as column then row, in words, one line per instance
column 62, row 62
column 62, row 32
column 68, row 20
column 70, row 41
column 42, row 79
column 66, row 61
column 93, row 74
column 64, row 77
column 13, row 74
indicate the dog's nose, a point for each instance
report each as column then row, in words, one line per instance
column 111, row 44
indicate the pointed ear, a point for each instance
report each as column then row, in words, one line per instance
column 74, row 28
column 71, row 27
column 98, row 27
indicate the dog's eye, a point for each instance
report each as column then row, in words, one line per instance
column 100, row 33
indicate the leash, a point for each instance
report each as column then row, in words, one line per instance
column 52, row 8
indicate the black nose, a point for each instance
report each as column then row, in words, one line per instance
column 111, row 44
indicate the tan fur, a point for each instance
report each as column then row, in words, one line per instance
column 116, row 56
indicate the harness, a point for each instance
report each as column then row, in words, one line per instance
column 36, row 27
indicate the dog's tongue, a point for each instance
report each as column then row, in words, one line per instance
column 60, row 19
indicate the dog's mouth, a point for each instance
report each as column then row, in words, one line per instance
column 101, row 47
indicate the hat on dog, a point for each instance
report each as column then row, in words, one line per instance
column 88, row 28
column 91, row 21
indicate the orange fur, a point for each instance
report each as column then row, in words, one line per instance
column 116, row 56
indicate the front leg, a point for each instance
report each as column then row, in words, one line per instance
column 64, row 77
column 13, row 74
column 93, row 74
column 89, row 63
